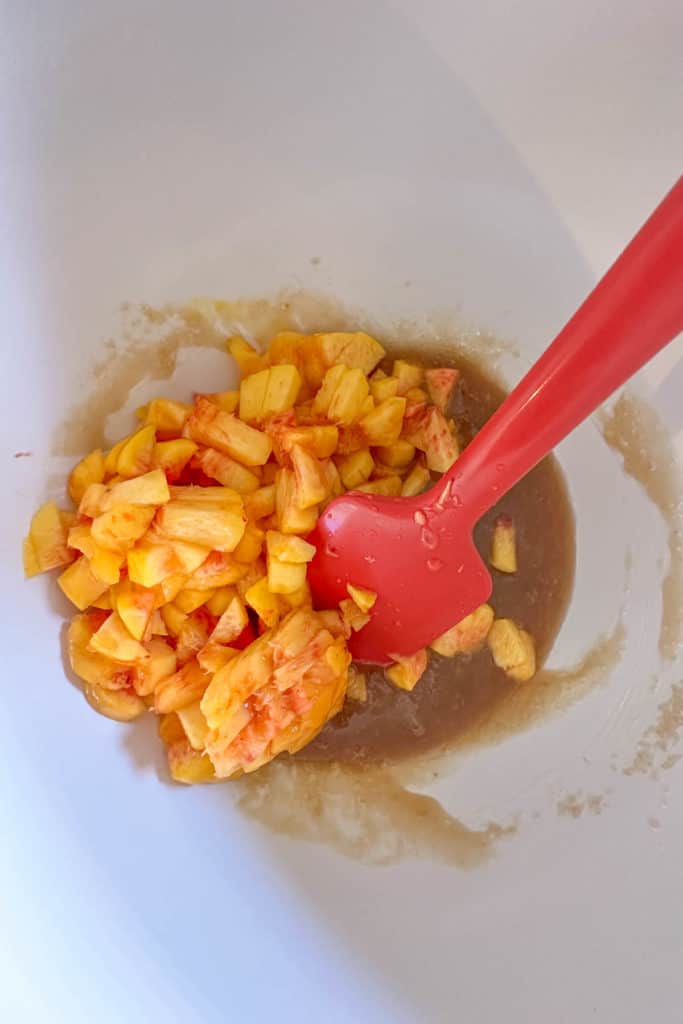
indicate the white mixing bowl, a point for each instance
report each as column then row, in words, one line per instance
column 470, row 167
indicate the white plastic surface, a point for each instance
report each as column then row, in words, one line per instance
column 495, row 156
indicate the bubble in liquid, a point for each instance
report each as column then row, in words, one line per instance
column 428, row 538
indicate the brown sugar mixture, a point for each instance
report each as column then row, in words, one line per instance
column 456, row 695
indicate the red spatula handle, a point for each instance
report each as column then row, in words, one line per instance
column 633, row 312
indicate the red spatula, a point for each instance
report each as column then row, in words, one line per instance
column 417, row 554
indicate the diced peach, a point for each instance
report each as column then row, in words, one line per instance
column 388, row 485
column 346, row 404
column 169, row 588
column 253, row 574
column 227, row 471
column 195, row 725
column 167, row 416
column 352, row 615
column 121, row 705
column 148, row 489
column 311, row 488
column 112, row 457
column 189, row 600
column 383, row 387
column 325, row 394
column 170, row 730
column 190, row 556
column 251, row 544
column 94, row 668
column 513, row 650
column 407, row 374
column 231, row 623
column 365, row 599
column 252, row 396
column 396, row 455
column 503, row 545
column 79, row 585
column 282, row 390
column 114, row 641
column 210, row 426
column 173, row 456
column 193, row 635
column 247, row 358
column 137, row 453
column 407, row 672
column 225, row 400
column 357, row 686
column 286, row 347
column 212, row 526
column 437, row 441
column 118, row 529
column 218, row 570
column 333, row 481
column 89, row 470
column 213, row 657
column 289, row 548
column 441, row 385
column 181, row 689
column 416, row 481
column 174, row 619
column 416, row 396
column 301, row 598
column 134, row 605
column 285, row 577
column 47, row 543
column 105, row 565
column 292, row 518
column 319, row 440
column 219, row 600
column 150, row 564
column 91, row 502
column 225, row 496
column 356, row 350
column 355, row 468
column 264, row 602
column 381, row 471
column 189, row 766
column 103, row 602
column 382, row 427
column 466, row 636
column 29, row 558
column 157, row 626
column 261, row 502
column 160, row 665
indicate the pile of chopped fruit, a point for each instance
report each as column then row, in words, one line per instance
column 187, row 555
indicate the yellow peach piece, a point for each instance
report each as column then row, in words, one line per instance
column 167, row 416
column 355, row 468
column 212, row 526
column 89, row 470
column 187, row 765
column 227, row 471
column 135, row 457
column 134, row 605
column 382, row 426
column 147, row 489
column 171, row 457
column 46, row 546
column 210, row 426
column 79, row 585
column 513, row 650
column 466, row 636
column 407, row 672
column 181, row 689
column 503, row 555
column 365, row 599
column 311, row 487
column 114, row 641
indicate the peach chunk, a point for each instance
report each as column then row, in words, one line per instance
column 467, row 635
column 407, row 672
column 503, row 555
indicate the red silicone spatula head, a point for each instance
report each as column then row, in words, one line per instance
column 420, row 561
column 417, row 554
